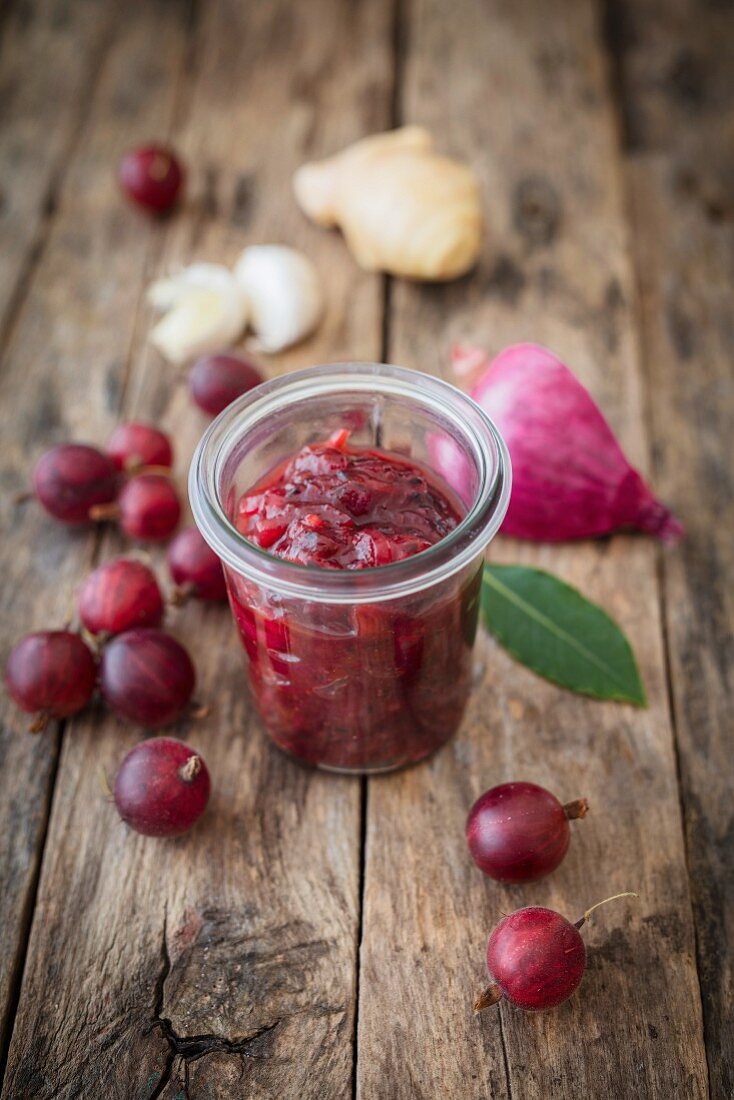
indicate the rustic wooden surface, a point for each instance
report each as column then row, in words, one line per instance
column 322, row 937
column 677, row 68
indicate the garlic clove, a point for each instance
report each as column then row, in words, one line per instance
column 204, row 310
column 284, row 292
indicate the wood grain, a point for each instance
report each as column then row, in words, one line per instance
column 224, row 963
column 51, row 53
column 64, row 363
column 521, row 90
column 677, row 77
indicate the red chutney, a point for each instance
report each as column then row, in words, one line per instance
column 355, row 686
column 342, row 508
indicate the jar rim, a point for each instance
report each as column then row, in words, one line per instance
column 375, row 583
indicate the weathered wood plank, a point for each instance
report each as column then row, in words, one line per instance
column 243, row 933
column 677, row 76
column 50, row 56
column 521, row 90
column 63, row 367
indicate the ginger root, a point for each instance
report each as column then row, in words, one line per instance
column 402, row 207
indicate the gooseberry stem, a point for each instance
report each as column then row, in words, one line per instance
column 627, row 894
column 199, row 710
column 181, row 594
column 576, row 809
column 490, row 996
column 190, row 769
column 135, row 466
column 99, row 513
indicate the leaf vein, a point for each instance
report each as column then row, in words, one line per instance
column 552, row 627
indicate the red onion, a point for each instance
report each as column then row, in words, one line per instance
column 570, row 478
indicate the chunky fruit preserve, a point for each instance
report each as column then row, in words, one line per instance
column 355, row 685
column 342, row 508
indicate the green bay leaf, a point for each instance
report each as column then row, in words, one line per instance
column 554, row 630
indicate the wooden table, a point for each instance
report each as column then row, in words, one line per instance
column 318, row 937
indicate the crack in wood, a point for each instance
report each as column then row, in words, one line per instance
column 505, row 1056
column 364, row 789
column 160, row 985
column 190, row 1048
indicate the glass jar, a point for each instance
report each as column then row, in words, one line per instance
column 356, row 670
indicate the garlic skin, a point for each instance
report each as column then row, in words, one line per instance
column 284, row 291
column 401, row 206
column 204, row 310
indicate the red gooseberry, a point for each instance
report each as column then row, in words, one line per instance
column 162, row 787
column 517, row 832
column 152, row 177
column 145, row 675
column 215, row 381
column 120, row 594
column 135, row 445
column 51, row 674
column 72, row 479
column 147, row 508
column 536, row 958
column 195, row 568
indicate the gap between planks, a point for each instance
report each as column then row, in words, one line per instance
column 16, row 979
column 613, row 33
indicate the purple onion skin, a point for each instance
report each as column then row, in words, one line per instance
column 570, row 477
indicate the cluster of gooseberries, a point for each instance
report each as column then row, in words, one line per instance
column 141, row 672
column 518, row 832
column 129, row 482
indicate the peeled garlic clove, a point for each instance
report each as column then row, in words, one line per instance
column 205, row 310
column 284, row 292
